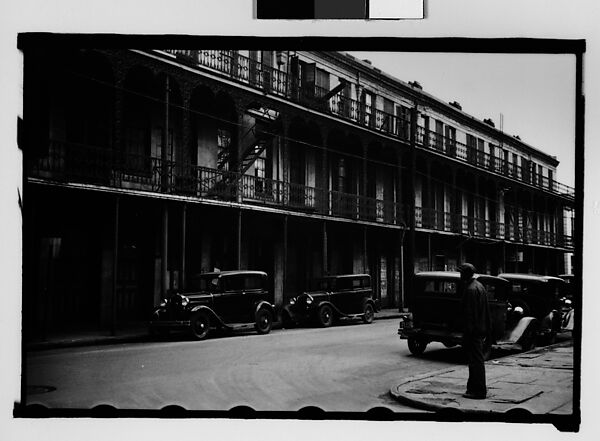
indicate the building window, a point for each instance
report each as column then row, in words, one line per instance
column 480, row 152
column 223, row 152
column 387, row 120
column 307, row 76
column 341, row 184
column 368, row 99
column 403, row 122
column 439, row 134
column 493, row 158
column 254, row 68
column 425, row 131
column 322, row 83
column 450, row 140
column 471, row 148
column 260, row 173
column 139, row 150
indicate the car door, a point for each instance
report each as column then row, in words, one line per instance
column 340, row 294
column 253, row 292
column 229, row 299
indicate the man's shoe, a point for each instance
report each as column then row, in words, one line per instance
column 473, row 396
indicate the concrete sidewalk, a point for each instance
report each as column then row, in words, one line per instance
column 135, row 332
column 539, row 382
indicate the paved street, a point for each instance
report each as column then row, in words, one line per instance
column 343, row 368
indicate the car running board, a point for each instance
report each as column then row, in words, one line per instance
column 238, row 326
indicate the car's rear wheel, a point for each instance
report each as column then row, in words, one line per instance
column 368, row 313
column 200, row 325
column 325, row 316
column 416, row 346
column 264, row 321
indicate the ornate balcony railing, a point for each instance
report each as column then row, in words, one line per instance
column 431, row 219
column 78, row 163
column 274, row 81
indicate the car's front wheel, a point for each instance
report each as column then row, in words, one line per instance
column 416, row 346
column 368, row 313
column 264, row 321
column 200, row 325
column 325, row 316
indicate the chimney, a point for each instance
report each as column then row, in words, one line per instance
column 415, row 84
column 367, row 61
column 456, row 104
column 489, row 122
column 517, row 136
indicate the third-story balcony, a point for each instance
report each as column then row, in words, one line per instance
column 279, row 83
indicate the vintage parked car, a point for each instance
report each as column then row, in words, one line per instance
column 227, row 300
column 333, row 297
column 436, row 313
column 567, row 307
column 540, row 297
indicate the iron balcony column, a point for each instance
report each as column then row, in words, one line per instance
column 164, row 181
column 164, row 250
column 411, row 201
column 239, row 240
column 183, row 247
column 113, row 314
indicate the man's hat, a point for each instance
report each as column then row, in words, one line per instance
column 467, row 269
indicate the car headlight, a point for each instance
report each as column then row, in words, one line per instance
column 309, row 300
column 293, row 301
column 184, row 301
column 518, row 310
column 163, row 303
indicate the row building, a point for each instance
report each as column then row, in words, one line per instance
column 144, row 167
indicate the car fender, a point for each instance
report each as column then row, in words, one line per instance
column 523, row 325
column 372, row 302
column 156, row 312
column 210, row 312
column 264, row 304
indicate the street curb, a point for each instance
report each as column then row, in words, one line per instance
column 422, row 404
column 388, row 317
column 92, row 341
column 131, row 338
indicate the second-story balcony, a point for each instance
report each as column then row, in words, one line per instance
column 81, row 164
column 70, row 163
column 279, row 83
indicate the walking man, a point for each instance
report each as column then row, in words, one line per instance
column 476, row 321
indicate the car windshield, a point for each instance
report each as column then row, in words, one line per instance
column 438, row 287
column 204, row 283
